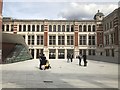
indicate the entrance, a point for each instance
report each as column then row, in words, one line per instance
column 38, row 51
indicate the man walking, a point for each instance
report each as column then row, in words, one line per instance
column 84, row 59
column 80, row 57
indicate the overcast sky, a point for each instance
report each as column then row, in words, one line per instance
column 54, row 9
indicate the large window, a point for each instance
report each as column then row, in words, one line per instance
column 52, row 40
column 7, row 28
column 89, row 28
column 84, row 28
column 24, row 28
column 29, row 28
column 42, row 28
column 107, row 39
column 54, row 28
column 82, row 51
column 61, row 53
column 70, row 40
column 68, row 28
column 93, row 28
column 52, row 54
column 80, row 28
column 20, row 27
column 63, row 28
column 82, row 39
column 59, row 28
column 33, row 28
column 112, row 38
column 39, row 39
column 107, row 52
column 12, row 27
column 61, row 40
column 30, row 39
column 72, row 28
column 38, row 28
column 91, row 40
column 50, row 28
column 91, row 52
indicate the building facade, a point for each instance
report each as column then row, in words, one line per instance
column 112, row 33
column 56, row 38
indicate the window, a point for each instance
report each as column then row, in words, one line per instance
column 107, row 39
column 54, row 28
column 50, row 28
column 82, row 51
column 3, row 27
column 112, row 51
column 24, row 28
column 82, row 40
column 59, row 28
column 42, row 28
column 93, row 28
column 70, row 40
column 68, row 28
column 7, row 28
column 112, row 39
column 72, row 28
column 52, row 53
column 30, row 39
column 61, row 53
column 84, row 28
column 33, row 28
column 80, row 28
column 38, row 28
column 12, row 27
column 107, row 52
column 63, row 28
column 91, row 52
column 89, row 28
column 91, row 40
column 52, row 40
column 39, row 39
column 29, row 28
column 61, row 40
column 20, row 28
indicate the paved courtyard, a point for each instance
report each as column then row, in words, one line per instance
column 62, row 75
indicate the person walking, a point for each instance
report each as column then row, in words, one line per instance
column 80, row 58
column 71, row 57
column 68, row 57
column 84, row 59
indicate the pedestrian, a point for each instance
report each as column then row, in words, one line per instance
column 71, row 57
column 68, row 57
column 42, row 61
column 84, row 59
column 80, row 58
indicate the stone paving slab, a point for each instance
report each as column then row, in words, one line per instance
column 26, row 74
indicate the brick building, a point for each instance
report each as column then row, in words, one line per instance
column 56, row 38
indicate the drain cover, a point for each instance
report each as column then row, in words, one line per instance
column 48, row 81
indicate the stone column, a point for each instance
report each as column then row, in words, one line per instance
column 35, row 53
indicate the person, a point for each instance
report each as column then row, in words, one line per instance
column 42, row 61
column 71, row 57
column 84, row 59
column 47, row 65
column 80, row 57
column 68, row 57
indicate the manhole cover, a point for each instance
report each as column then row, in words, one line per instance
column 48, row 81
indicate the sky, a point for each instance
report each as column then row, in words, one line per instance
column 57, row 9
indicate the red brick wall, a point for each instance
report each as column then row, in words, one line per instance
column 76, row 35
column 45, row 35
